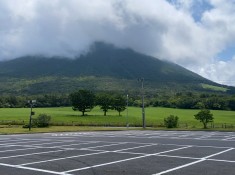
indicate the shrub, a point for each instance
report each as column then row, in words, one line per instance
column 34, row 124
column 171, row 121
column 25, row 126
column 43, row 120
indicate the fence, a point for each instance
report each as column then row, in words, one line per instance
column 121, row 124
column 210, row 125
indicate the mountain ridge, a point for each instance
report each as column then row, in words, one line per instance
column 104, row 62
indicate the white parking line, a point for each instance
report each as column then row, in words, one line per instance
column 218, row 160
column 120, row 143
column 23, row 155
column 34, row 169
column 39, row 144
column 123, row 160
column 161, row 136
column 143, row 146
column 192, row 163
column 73, row 144
column 50, row 160
column 130, row 134
column 121, row 150
column 19, row 149
column 19, row 142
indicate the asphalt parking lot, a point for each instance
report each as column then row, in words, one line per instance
column 119, row 152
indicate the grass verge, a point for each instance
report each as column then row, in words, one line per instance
column 19, row 130
column 4, row 130
column 65, row 119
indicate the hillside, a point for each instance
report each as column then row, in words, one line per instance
column 104, row 67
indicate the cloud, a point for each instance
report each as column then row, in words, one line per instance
column 166, row 29
column 220, row 71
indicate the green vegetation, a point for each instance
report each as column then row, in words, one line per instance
column 118, row 103
column 171, row 121
column 205, row 116
column 18, row 129
column 181, row 100
column 154, row 117
column 104, row 68
column 82, row 100
column 108, row 72
column 214, row 88
column 104, row 101
column 43, row 120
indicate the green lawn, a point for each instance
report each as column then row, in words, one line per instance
column 154, row 116
column 215, row 88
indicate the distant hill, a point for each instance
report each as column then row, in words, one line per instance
column 104, row 67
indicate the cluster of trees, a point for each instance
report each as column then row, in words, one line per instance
column 106, row 100
column 12, row 102
column 84, row 101
column 52, row 100
column 196, row 101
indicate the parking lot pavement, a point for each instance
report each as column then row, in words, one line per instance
column 119, row 152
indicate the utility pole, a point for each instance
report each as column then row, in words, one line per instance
column 143, row 111
column 127, row 122
column 31, row 102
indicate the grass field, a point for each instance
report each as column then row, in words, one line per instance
column 215, row 88
column 154, row 116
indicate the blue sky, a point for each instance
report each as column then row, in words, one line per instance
column 195, row 7
column 227, row 53
column 196, row 34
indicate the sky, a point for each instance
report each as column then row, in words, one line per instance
column 196, row 34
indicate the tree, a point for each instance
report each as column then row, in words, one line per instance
column 105, row 102
column 82, row 100
column 231, row 104
column 186, row 103
column 204, row 116
column 119, row 103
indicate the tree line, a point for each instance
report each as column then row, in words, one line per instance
column 48, row 100
column 187, row 100
column 197, row 101
column 85, row 101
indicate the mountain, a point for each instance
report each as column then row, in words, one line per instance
column 104, row 67
column 102, row 60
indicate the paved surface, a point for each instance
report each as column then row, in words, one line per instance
column 120, row 152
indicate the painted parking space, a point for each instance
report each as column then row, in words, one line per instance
column 121, row 152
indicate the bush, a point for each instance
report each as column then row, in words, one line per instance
column 171, row 121
column 34, row 124
column 25, row 126
column 43, row 120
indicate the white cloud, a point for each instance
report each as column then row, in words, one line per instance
column 158, row 28
column 220, row 71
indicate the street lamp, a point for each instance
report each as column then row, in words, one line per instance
column 143, row 112
column 31, row 102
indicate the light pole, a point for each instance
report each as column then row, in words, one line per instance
column 31, row 102
column 143, row 111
